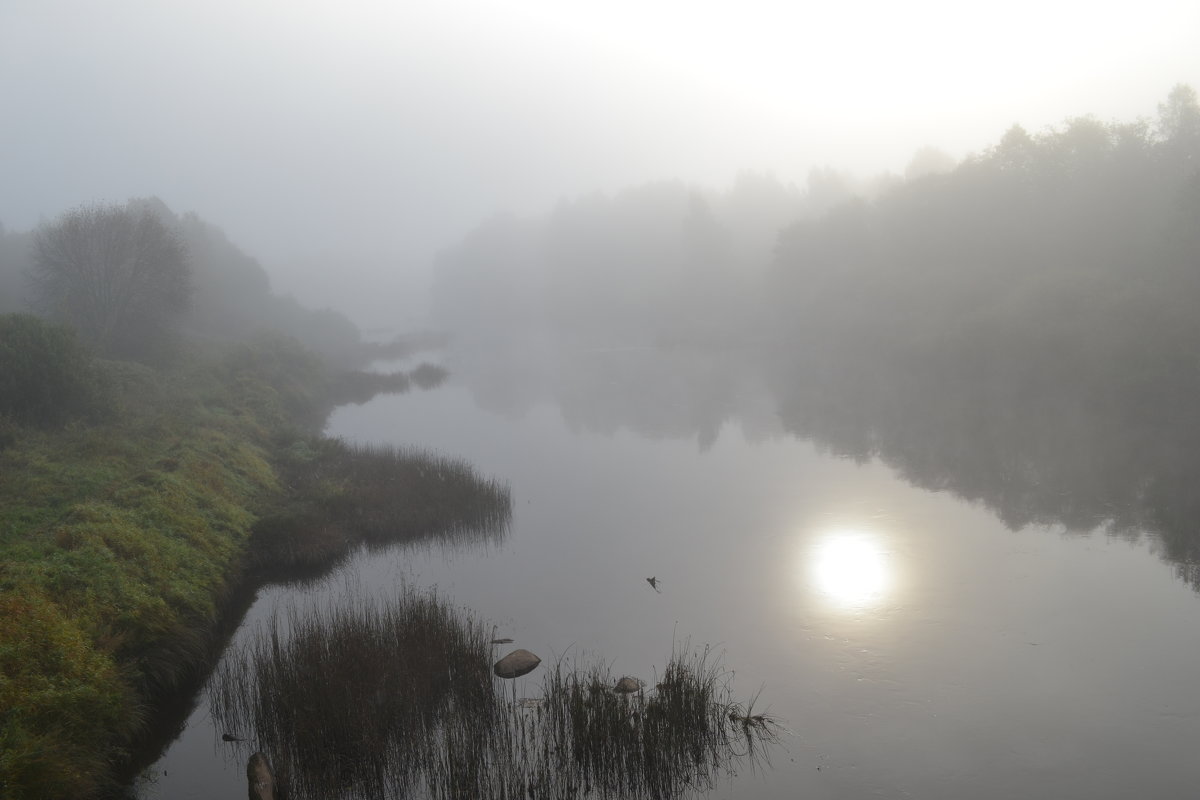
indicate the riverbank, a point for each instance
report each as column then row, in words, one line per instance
column 123, row 541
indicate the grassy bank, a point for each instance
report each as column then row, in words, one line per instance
column 122, row 534
column 343, row 495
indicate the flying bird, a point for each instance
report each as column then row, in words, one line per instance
column 654, row 584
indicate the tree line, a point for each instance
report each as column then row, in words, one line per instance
column 134, row 279
column 1036, row 235
column 1021, row 331
column 665, row 261
column 131, row 281
column 1077, row 243
column 1019, row 328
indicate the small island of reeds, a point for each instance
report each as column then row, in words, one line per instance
column 396, row 698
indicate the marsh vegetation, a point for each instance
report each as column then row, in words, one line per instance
column 1017, row 329
column 141, row 502
column 396, row 698
column 343, row 495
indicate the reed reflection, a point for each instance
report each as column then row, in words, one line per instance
column 849, row 568
column 393, row 699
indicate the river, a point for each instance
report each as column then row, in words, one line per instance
column 912, row 643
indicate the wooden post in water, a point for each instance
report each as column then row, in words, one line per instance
column 260, row 778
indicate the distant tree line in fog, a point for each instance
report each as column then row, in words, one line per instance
column 118, row 274
column 660, row 262
column 1076, row 246
column 1084, row 235
column 1020, row 329
column 134, row 279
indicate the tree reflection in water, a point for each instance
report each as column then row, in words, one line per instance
column 1007, row 426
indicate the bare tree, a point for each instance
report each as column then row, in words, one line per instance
column 118, row 274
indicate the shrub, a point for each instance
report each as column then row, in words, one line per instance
column 120, row 275
column 46, row 375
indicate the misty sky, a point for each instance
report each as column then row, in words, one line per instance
column 334, row 140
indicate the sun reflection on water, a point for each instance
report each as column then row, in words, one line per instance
column 850, row 569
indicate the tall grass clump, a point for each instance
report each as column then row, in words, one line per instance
column 397, row 699
column 429, row 376
column 359, row 386
column 384, row 491
column 347, row 699
column 680, row 736
column 343, row 495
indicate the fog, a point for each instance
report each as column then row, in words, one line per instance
column 344, row 145
column 856, row 345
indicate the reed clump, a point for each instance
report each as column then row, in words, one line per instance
column 359, row 386
column 346, row 699
column 429, row 376
column 343, row 495
column 397, row 699
column 679, row 736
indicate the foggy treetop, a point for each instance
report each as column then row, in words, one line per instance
column 1060, row 228
column 369, row 134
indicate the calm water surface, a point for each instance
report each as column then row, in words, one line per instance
column 913, row 645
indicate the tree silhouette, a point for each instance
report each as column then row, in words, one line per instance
column 117, row 274
column 1179, row 127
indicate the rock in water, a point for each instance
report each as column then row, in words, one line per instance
column 628, row 685
column 258, row 774
column 516, row 664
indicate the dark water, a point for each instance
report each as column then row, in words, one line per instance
column 913, row 643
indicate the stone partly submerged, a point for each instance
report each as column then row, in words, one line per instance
column 260, row 778
column 628, row 685
column 516, row 664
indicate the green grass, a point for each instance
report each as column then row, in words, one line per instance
column 122, row 533
column 125, row 534
column 117, row 542
column 343, row 697
column 125, row 531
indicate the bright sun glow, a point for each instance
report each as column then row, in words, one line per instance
column 850, row 569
